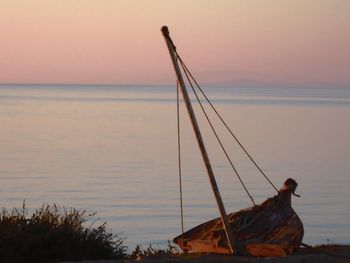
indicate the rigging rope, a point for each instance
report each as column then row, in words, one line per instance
column 217, row 137
column 188, row 73
column 179, row 155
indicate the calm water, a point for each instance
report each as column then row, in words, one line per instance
column 112, row 150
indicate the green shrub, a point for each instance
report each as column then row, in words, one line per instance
column 53, row 234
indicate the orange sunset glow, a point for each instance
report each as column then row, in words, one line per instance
column 119, row 42
column 174, row 131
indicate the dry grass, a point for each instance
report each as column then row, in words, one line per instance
column 54, row 234
column 150, row 251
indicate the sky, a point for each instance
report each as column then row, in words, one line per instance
column 233, row 42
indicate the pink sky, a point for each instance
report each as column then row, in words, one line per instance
column 291, row 42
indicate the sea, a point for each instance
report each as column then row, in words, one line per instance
column 112, row 150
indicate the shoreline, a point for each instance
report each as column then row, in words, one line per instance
column 320, row 254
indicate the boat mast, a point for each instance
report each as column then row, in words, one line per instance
column 200, row 141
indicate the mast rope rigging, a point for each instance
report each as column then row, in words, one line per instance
column 224, row 123
column 191, row 79
column 179, row 155
column 217, row 137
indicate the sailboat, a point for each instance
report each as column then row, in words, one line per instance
column 269, row 229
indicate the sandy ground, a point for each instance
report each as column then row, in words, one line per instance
column 323, row 254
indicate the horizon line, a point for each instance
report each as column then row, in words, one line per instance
column 222, row 85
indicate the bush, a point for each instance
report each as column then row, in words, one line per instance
column 153, row 252
column 52, row 234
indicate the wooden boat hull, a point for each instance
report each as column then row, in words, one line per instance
column 270, row 229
